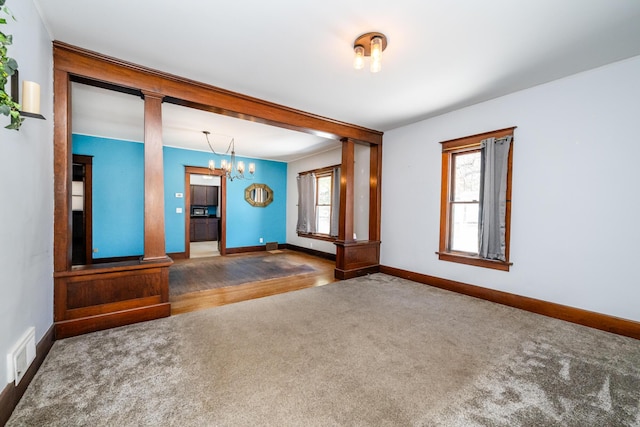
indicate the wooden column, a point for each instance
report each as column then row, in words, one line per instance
column 154, row 241
column 356, row 258
column 62, row 166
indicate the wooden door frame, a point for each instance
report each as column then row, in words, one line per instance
column 222, row 207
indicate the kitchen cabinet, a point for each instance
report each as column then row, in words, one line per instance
column 204, row 229
column 212, row 228
column 204, row 195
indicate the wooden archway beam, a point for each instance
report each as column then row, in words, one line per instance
column 183, row 91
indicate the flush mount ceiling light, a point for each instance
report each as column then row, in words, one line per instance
column 231, row 168
column 369, row 44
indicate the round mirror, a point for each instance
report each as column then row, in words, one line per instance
column 258, row 195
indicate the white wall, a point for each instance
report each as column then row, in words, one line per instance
column 26, row 191
column 575, row 227
column 329, row 158
column 361, row 184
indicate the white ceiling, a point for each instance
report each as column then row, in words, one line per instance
column 441, row 55
column 101, row 112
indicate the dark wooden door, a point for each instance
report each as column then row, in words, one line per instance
column 200, row 230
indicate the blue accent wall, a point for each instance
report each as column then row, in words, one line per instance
column 246, row 224
column 118, row 198
column 118, row 194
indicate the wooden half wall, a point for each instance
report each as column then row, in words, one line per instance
column 88, row 298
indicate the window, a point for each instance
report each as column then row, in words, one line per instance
column 475, row 211
column 318, row 203
column 465, row 201
column 323, row 203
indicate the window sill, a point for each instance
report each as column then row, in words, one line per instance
column 324, row 237
column 474, row 260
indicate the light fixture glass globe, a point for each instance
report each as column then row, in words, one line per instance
column 358, row 59
column 376, row 54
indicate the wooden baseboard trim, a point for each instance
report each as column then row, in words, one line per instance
column 604, row 322
column 243, row 249
column 73, row 327
column 177, row 255
column 319, row 254
column 11, row 395
column 350, row 274
column 172, row 255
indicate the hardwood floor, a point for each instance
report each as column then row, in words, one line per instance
column 323, row 275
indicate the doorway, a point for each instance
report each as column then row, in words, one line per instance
column 204, row 215
column 81, row 208
column 205, row 212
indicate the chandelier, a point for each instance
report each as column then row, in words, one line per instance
column 232, row 169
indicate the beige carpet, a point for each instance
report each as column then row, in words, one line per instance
column 372, row 351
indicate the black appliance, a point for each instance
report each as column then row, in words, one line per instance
column 199, row 211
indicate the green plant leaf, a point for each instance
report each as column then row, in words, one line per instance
column 16, row 120
column 6, row 10
column 11, row 64
column 8, row 67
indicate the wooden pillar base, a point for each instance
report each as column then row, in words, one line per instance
column 354, row 259
column 147, row 260
column 98, row 297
